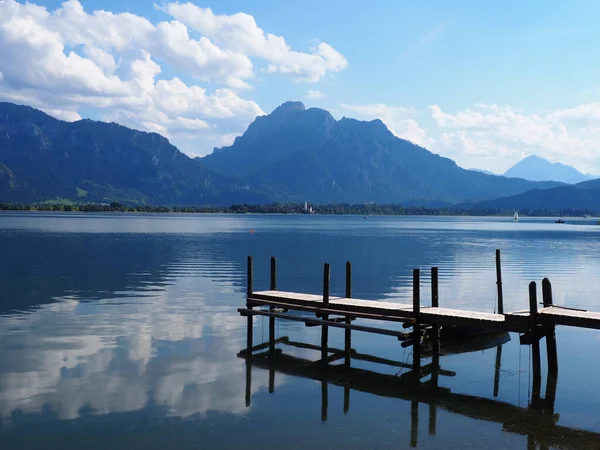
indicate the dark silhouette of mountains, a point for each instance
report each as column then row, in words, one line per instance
column 535, row 168
column 290, row 155
column 44, row 158
column 585, row 195
column 306, row 154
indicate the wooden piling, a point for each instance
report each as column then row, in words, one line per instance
column 497, row 370
column 272, row 287
column 435, row 303
column 325, row 328
column 417, row 324
column 348, row 331
column 414, row 422
column 550, row 395
column 324, row 401
column 248, row 383
column 533, row 336
column 271, row 380
column 432, row 419
column 499, row 283
column 346, row 399
column 249, row 328
column 550, row 329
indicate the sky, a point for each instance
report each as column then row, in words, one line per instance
column 483, row 83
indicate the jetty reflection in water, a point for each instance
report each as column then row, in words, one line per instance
column 538, row 421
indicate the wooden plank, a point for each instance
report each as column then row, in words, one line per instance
column 575, row 318
column 254, row 312
column 318, row 309
column 342, row 304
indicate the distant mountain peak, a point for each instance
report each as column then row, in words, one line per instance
column 536, row 168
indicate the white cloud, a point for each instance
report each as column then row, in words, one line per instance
column 240, row 33
column 314, row 94
column 67, row 116
column 113, row 64
column 396, row 118
column 495, row 137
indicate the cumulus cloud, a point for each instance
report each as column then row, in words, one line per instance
column 397, row 118
column 68, row 59
column 240, row 33
column 314, row 94
column 499, row 136
column 495, row 137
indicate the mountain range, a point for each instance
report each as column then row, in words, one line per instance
column 304, row 154
column 44, row 158
column 583, row 196
column 535, row 168
column 293, row 154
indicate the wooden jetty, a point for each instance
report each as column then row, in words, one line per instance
column 340, row 312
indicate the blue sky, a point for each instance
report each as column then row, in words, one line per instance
column 485, row 83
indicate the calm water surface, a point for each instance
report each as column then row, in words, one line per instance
column 122, row 331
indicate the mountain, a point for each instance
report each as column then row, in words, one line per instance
column 305, row 154
column 487, row 172
column 535, row 168
column 44, row 158
column 585, row 195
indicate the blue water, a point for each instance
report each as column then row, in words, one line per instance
column 122, row 331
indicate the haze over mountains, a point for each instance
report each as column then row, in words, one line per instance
column 535, row 168
column 291, row 155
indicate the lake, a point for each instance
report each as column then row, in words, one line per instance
column 121, row 331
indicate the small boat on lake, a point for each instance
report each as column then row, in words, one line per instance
column 561, row 220
column 516, row 216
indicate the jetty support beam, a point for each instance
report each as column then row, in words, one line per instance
column 550, row 329
column 417, row 322
column 348, row 331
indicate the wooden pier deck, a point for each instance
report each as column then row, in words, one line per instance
column 425, row 321
column 389, row 311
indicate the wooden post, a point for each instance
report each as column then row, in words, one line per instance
column 497, row 370
column 499, row 283
column 273, row 284
column 417, row 325
column 435, row 303
column 250, row 319
column 414, row 422
column 325, row 328
column 550, row 395
column 248, row 382
column 271, row 380
column 249, row 277
column 535, row 343
column 272, row 287
column 346, row 399
column 249, row 335
column 324, row 401
column 550, row 329
column 348, row 331
column 435, row 335
column 432, row 418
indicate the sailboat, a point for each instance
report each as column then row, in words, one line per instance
column 516, row 217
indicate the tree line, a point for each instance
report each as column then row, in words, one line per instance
column 295, row 208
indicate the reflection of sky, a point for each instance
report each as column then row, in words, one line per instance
column 172, row 349
column 141, row 311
